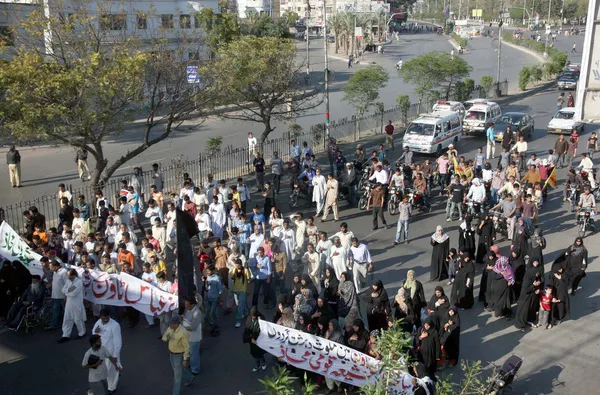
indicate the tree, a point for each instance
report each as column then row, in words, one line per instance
column 403, row 101
column 213, row 145
column 262, row 25
column 434, row 69
column 260, row 77
column 289, row 18
column 362, row 89
column 86, row 84
column 486, row 83
column 524, row 77
column 219, row 29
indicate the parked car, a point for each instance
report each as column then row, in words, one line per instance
column 568, row 80
column 520, row 123
column 563, row 123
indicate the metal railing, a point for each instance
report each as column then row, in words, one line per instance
column 230, row 163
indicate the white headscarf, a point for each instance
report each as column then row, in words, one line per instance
column 437, row 237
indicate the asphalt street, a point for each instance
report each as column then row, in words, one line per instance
column 44, row 168
column 561, row 360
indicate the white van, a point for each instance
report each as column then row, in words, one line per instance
column 480, row 115
column 431, row 133
column 456, row 106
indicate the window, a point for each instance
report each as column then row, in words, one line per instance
column 455, row 123
column 185, row 22
column 142, row 22
column 166, row 21
column 113, row 22
column 7, row 37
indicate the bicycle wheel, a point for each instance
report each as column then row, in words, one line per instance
column 392, row 207
column 362, row 203
column 45, row 315
column 582, row 227
column 294, row 200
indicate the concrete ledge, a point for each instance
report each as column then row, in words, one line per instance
column 526, row 50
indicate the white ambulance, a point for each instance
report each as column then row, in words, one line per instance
column 480, row 115
column 445, row 105
column 431, row 133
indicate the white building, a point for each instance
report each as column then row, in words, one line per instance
column 245, row 7
column 141, row 18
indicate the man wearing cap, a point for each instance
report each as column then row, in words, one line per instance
column 176, row 338
column 109, row 331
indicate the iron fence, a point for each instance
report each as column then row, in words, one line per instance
column 230, row 163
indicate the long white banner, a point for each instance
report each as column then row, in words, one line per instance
column 100, row 288
column 324, row 357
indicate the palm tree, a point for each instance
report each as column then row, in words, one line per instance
column 336, row 23
column 348, row 28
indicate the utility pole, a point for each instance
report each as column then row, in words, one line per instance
column 499, row 51
column 307, row 39
column 547, row 26
column 562, row 14
column 524, row 11
column 326, row 70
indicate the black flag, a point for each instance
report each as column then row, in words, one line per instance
column 186, row 229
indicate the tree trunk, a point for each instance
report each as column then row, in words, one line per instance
column 449, row 89
column 101, row 162
column 265, row 134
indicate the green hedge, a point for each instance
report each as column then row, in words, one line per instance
column 459, row 40
column 556, row 60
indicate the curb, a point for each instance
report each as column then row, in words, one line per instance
column 457, row 47
column 527, row 51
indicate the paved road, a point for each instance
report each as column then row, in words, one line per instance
column 559, row 361
column 44, row 168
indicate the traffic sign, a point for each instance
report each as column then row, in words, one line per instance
column 192, row 75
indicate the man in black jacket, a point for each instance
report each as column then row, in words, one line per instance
column 13, row 160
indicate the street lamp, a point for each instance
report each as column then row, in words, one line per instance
column 326, row 75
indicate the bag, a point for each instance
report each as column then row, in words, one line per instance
column 93, row 359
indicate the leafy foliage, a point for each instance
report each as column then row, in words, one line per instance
column 403, row 101
column 261, row 25
column 219, row 29
column 259, row 76
column 213, row 145
column 536, row 73
column 362, row 89
column 486, row 82
column 524, row 78
column 434, row 70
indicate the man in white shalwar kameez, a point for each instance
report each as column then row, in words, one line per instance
column 218, row 217
column 324, row 248
column 74, row 309
column 110, row 333
column 255, row 239
column 318, row 196
column 288, row 241
column 300, row 226
column 339, row 257
column 344, row 235
column 312, row 260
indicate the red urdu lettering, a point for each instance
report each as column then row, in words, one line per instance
column 317, row 364
column 142, row 289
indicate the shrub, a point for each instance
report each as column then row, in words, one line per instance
column 403, row 102
column 459, row 40
column 461, row 92
column 213, row 145
column 536, row 73
column 469, row 85
column 486, row 83
column 524, row 77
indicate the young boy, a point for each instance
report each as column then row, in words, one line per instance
column 546, row 300
column 240, row 277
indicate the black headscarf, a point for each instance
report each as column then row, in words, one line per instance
column 309, row 285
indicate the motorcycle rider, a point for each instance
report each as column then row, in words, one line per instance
column 359, row 154
column 476, row 195
column 348, row 179
column 421, row 185
column 509, row 208
column 428, row 169
column 588, row 201
column 587, row 165
column 406, row 161
column 457, row 195
column 397, row 180
column 399, row 65
column 380, row 175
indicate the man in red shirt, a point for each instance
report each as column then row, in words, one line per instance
column 389, row 138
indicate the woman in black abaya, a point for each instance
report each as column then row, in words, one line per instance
column 518, row 266
column 576, row 263
column 358, row 337
column 528, row 305
column 429, row 347
column 484, row 283
column 502, row 278
column 438, row 306
column 379, row 312
column 450, row 336
column 462, row 289
column 560, row 284
column 466, row 236
column 404, row 311
column 521, row 240
column 330, row 290
column 441, row 248
column 487, row 235
column 537, row 243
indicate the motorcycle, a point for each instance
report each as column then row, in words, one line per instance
column 299, row 192
column 501, row 383
column 364, row 177
column 417, row 200
column 584, row 221
column 395, row 197
column 574, row 192
column 365, row 191
column 500, row 223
